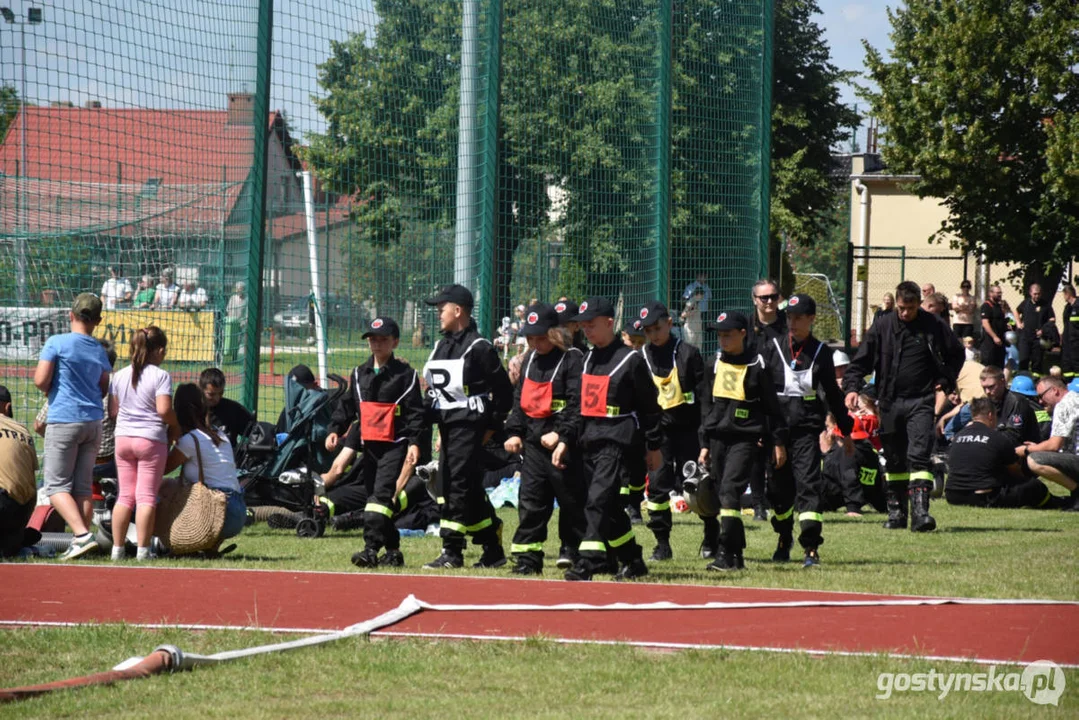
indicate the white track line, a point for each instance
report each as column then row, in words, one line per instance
column 702, row 646
column 160, row 626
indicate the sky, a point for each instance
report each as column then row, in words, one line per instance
column 190, row 53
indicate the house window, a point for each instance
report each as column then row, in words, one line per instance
column 150, row 187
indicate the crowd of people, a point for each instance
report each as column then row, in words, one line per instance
column 605, row 421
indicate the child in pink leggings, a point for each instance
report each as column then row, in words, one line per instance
column 140, row 398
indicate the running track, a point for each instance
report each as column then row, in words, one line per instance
column 314, row 602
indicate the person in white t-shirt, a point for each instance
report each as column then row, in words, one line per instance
column 115, row 290
column 200, row 444
column 167, row 291
column 140, row 399
column 192, row 297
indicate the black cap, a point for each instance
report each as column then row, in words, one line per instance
column 801, row 305
column 594, row 307
column 382, row 326
column 302, row 374
column 457, row 294
column 567, row 310
column 5, row 394
column 731, row 320
column 652, row 313
column 634, row 329
column 539, row 318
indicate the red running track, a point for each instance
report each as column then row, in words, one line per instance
column 310, row 601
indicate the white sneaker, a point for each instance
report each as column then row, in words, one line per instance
column 80, row 545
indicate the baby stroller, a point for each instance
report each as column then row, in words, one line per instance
column 283, row 469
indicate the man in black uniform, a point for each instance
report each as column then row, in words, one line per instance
column 226, row 415
column 767, row 320
column 913, row 355
column 739, row 410
column 1032, row 315
column 1069, row 337
column 802, row 369
column 617, row 395
column 678, row 372
column 1015, row 415
column 468, row 391
column 994, row 325
column 544, row 425
column 390, row 418
column 984, row 469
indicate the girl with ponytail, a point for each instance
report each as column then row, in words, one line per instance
column 140, row 398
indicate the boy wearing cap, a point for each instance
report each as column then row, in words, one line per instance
column 390, row 417
column 617, row 396
column 677, row 371
column 468, row 391
column 544, row 424
column 567, row 310
column 740, row 418
column 802, row 369
column 73, row 370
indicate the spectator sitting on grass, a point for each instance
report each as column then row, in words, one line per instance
column 984, row 469
column 1055, row 459
column 18, row 488
column 228, row 416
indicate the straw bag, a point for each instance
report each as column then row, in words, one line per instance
column 191, row 516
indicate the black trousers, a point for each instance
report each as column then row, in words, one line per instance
column 466, row 509
column 963, row 330
column 906, row 434
column 350, row 493
column 636, row 477
column 606, row 523
column 380, row 466
column 680, row 446
column 991, row 353
column 1025, row 493
column 1031, row 354
column 733, row 459
column 862, row 479
column 796, row 488
column 13, row 519
column 541, row 484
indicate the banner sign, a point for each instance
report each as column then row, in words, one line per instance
column 190, row 334
column 24, row 330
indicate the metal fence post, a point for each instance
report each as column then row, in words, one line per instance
column 488, row 192
column 767, row 27
column 663, row 152
column 257, row 183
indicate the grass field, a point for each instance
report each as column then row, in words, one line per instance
column 976, row 553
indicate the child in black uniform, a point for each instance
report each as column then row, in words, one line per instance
column 738, row 414
column 544, row 424
column 390, row 408
column 617, row 394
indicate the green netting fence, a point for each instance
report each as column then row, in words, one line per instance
column 156, row 153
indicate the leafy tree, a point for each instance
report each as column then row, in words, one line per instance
column 979, row 100
column 9, row 108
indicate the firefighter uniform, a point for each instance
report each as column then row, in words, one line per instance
column 740, row 417
column 617, row 396
column 677, row 371
column 547, row 399
column 910, row 360
column 802, row 371
column 466, row 386
column 636, row 479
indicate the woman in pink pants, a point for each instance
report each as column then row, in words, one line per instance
column 140, row 398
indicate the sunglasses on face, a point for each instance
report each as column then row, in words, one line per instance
column 772, row 297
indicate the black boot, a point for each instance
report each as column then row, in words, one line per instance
column 663, row 550
column 921, row 520
column 896, row 495
column 783, row 549
column 710, row 543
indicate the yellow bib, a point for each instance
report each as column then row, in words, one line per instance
column 730, row 381
column 670, row 390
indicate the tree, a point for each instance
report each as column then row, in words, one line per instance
column 979, row 99
column 9, row 108
column 808, row 121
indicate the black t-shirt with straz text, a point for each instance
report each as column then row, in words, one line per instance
column 978, row 459
column 916, row 373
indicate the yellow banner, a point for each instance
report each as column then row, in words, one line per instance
column 190, row 334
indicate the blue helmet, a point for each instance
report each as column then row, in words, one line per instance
column 1073, row 386
column 1024, row 385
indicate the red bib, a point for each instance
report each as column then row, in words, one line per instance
column 376, row 421
column 594, row 395
column 536, row 398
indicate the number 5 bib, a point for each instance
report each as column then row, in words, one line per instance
column 594, row 389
